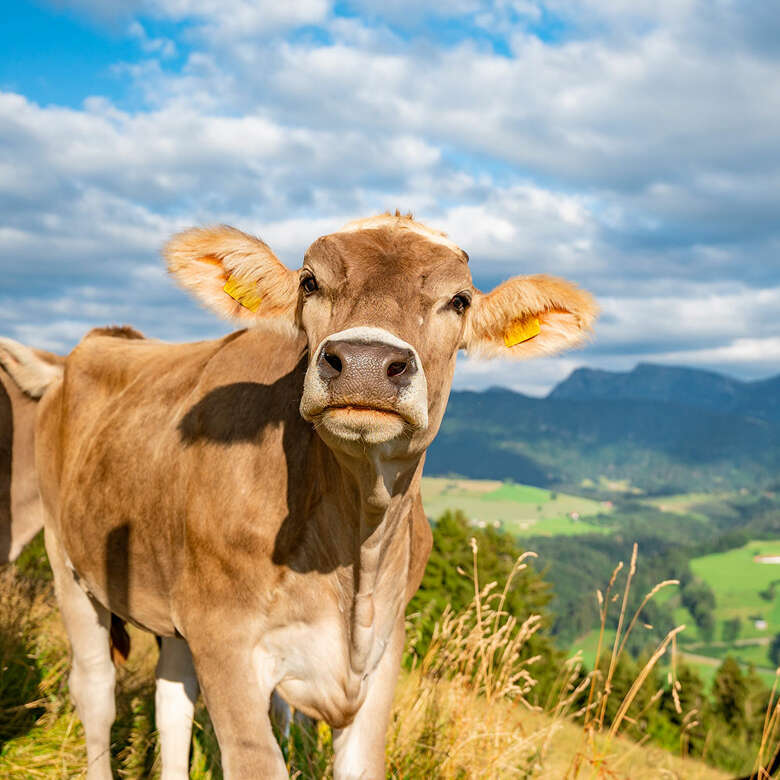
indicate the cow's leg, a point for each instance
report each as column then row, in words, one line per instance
column 360, row 747
column 92, row 675
column 174, row 701
column 281, row 715
column 237, row 690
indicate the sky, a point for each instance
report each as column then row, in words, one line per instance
column 628, row 145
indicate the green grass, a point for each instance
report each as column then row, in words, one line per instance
column 588, row 644
column 704, row 660
column 521, row 510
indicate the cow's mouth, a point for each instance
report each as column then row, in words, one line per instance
column 371, row 424
column 362, row 408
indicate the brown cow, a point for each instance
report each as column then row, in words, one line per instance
column 259, row 496
column 21, row 512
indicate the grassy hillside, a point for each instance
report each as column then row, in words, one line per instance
column 461, row 709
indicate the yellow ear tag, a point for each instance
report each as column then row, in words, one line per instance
column 521, row 331
column 243, row 292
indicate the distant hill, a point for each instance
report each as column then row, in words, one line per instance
column 663, row 428
column 675, row 384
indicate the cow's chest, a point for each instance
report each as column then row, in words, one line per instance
column 312, row 664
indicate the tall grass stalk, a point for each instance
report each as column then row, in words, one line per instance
column 770, row 745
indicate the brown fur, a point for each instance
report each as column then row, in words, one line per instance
column 116, row 331
column 33, row 370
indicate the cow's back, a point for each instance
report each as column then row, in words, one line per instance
column 131, row 435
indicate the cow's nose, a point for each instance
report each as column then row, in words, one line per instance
column 369, row 369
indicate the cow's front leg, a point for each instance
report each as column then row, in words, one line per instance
column 360, row 747
column 237, row 685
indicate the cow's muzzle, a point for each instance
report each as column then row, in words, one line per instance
column 366, row 383
column 373, row 371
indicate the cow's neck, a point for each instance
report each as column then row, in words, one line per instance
column 383, row 496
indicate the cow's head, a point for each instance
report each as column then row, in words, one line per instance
column 385, row 304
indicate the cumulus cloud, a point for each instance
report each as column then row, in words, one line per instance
column 630, row 146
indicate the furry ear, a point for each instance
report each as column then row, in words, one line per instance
column 529, row 316
column 236, row 275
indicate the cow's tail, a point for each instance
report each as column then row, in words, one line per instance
column 120, row 640
column 31, row 371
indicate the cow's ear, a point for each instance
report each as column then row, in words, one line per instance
column 234, row 274
column 529, row 316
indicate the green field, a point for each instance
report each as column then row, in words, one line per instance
column 736, row 579
column 521, row 510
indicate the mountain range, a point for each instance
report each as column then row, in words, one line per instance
column 675, row 384
column 657, row 428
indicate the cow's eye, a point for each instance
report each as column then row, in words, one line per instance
column 461, row 302
column 309, row 284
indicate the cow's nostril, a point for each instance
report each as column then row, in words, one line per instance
column 397, row 368
column 334, row 361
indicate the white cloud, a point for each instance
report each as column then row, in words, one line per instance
column 637, row 155
column 164, row 47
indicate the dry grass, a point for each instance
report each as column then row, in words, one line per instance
column 462, row 711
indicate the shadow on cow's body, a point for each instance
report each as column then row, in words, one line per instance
column 239, row 413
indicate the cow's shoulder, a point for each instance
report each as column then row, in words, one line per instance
column 116, row 331
column 110, row 360
column 262, row 355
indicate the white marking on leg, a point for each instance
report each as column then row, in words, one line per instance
column 174, row 700
column 92, row 676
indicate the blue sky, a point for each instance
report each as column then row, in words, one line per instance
column 626, row 144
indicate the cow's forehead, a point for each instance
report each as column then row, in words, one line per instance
column 403, row 224
column 363, row 247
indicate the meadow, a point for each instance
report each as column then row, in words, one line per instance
column 738, row 581
column 520, row 510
